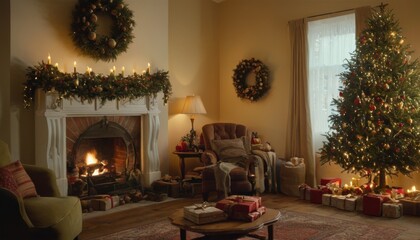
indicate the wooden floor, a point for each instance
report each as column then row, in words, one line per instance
column 125, row 219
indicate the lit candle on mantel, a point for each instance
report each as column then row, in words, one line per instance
column 122, row 71
column 49, row 59
column 74, row 66
column 148, row 67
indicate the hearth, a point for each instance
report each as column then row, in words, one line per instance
column 55, row 141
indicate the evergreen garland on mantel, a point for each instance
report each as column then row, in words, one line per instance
column 90, row 86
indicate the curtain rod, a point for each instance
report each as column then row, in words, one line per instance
column 341, row 11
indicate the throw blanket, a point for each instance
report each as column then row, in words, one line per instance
column 221, row 172
column 269, row 159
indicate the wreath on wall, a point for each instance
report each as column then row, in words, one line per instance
column 85, row 23
column 241, row 73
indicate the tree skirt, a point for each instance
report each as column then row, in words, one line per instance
column 292, row 225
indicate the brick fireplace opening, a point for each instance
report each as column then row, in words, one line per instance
column 102, row 152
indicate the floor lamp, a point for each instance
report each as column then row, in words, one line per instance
column 193, row 105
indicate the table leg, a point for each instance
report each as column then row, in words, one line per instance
column 270, row 232
column 182, row 234
column 182, row 167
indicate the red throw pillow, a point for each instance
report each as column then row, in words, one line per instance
column 8, row 181
column 26, row 187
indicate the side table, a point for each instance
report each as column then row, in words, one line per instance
column 182, row 156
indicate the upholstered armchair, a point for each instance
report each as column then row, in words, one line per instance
column 37, row 214
column 227, row 142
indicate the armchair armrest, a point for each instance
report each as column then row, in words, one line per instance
column 12, row 208
column 44, row 180
column 209, row 157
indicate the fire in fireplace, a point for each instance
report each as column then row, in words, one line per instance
column 103, row 157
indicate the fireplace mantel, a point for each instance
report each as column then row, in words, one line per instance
column 50, row 131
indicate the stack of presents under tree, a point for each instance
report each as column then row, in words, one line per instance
column 392, row 202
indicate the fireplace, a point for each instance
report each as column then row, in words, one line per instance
column 66, row 130
column 102, row 153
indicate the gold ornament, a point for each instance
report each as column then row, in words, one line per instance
column 94, row 18
column 92, row 36
column 410, row 121
column 387, row 131
column 112, row 43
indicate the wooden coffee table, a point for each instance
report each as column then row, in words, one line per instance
column 229, row 229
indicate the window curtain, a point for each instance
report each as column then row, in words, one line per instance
column 299, row 139
column 299, row 142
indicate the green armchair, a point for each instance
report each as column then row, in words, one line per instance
column 47, row 216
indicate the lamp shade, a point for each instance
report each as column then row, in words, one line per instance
column 193, row 105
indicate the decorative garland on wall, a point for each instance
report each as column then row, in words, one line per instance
column 84, row 26
column 89, row 86
column 241, row 72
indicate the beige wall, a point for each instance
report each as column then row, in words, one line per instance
column 39, row 28
column 255, row 28
column 194, row 68
column 5, row 70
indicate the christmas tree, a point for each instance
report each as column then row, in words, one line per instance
column 374, row 129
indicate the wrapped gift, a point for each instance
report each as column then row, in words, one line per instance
column 236, row 205
column 325, row 181
column 338, row 201
column 315, row 195
column 392, row 210
column 249, row 217
column 372, row 204
column 410, row 206
column 104, row 203
column 171, row 187
column 240, row 198
column 326, row 199
column 359, row 204
column 200, row 214
column 325, row 189
column 350, row 203
column 304, row 192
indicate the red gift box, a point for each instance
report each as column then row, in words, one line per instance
column 249, row 217
column 231, row 206
column 372, row 204
column 316, row 195
column 242, row 198
column 325, row 181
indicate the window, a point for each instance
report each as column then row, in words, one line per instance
column 330, row 42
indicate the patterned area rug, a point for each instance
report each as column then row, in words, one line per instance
column 292, row 225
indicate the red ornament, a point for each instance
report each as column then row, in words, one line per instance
column 341, row 94
column 372, row 107
column 356, row 101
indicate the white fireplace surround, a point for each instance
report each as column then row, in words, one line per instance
column 50, row 131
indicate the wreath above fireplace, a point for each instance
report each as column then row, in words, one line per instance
column 84, row 28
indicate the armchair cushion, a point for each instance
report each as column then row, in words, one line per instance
column 8, row 181
column 229, row 149
column 25, row 186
